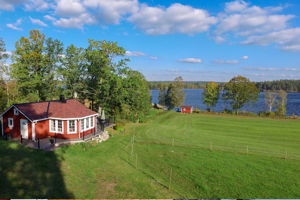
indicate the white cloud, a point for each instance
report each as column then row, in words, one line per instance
column 231, row 62
column 15, row 25
column 190, row 60
column 242, row 19
column 112, row 11
column 177, row 18
column 10, row 4
column 37, row 22
column 244, row 57
column 288, row 39
column 235, row 6
column 270, row 69
column 134, row 53
column 153, row 57
column 69, row 8
column 49, row 18
column 75, row 22
column 37, row 5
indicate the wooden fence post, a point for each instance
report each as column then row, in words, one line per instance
column 136, row 160
column 131, row 145
column 210, row 146
column 170, row 180
column 285, row 155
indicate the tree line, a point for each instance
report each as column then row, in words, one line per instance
column 286, row 85
column 41, row 69
column 237, row 92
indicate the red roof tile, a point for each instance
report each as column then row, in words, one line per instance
column 56, row 109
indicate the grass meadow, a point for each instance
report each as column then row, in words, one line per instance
column 172, row 155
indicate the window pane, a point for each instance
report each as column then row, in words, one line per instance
column 91, row 122
column 86, row 123
column 82, row 125
column 72, row 125
column 52, row 125
column 59, row 126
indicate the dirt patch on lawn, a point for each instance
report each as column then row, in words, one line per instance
column 106, row 189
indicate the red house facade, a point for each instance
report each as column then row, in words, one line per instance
column 66, row 119
column 186, row 109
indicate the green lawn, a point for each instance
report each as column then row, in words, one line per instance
column 208, row 160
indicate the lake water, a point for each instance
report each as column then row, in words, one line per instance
column 194, row 98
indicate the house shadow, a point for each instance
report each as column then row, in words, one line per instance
column 30, row 173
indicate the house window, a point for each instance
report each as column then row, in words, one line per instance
column 59, row 126
column 52, row 125
column 56, row 126
column 10, row 123
column 16, row 112
column 72, row 126
column 82, row 125
column 87, row 124
column 92, row 122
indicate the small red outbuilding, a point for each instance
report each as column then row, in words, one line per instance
column 186, row 109
column 65, row 119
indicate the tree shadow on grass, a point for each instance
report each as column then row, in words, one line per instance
column 30, row 173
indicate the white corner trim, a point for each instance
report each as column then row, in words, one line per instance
column 33, row 131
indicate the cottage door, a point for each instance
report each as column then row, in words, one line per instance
column 24, row 128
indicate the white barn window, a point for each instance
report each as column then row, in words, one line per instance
column 16, row 112
column 10, row 123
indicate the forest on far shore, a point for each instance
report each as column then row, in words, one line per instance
column 286, row 85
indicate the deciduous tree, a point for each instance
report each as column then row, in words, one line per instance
column 211, row 94
column 175, row 95
column 270, row 99
column 281, row 103
column 240, row 91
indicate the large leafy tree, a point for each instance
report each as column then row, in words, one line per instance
column 34, row 66
column 136, row 101
column 281, row 103
column 72, row 71
column 175, row 95
column 211, row 94
column 3, row 71
column 162, row 95
column 240, row 91
column 104, row 73
column 270, row 99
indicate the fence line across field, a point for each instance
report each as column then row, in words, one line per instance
column 232, row 147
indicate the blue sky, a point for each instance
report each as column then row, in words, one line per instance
column 199, row 40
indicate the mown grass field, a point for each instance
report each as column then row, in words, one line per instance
column 207, row 155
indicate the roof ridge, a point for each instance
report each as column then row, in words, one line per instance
column 41, row 101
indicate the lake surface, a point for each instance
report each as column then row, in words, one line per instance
column 194, row 98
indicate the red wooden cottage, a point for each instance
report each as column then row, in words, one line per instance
column 186, row 109
column 65, row 119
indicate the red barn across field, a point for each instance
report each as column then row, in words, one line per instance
column 186, row 109
column 62, row 118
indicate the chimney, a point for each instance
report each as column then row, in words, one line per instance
column 62, row 98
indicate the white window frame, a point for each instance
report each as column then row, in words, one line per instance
column 16, row 112
column 90, row 120
column 86, row 124
column 56, row 126
column 82, row 129
column 12, row 122
column 75, row 124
